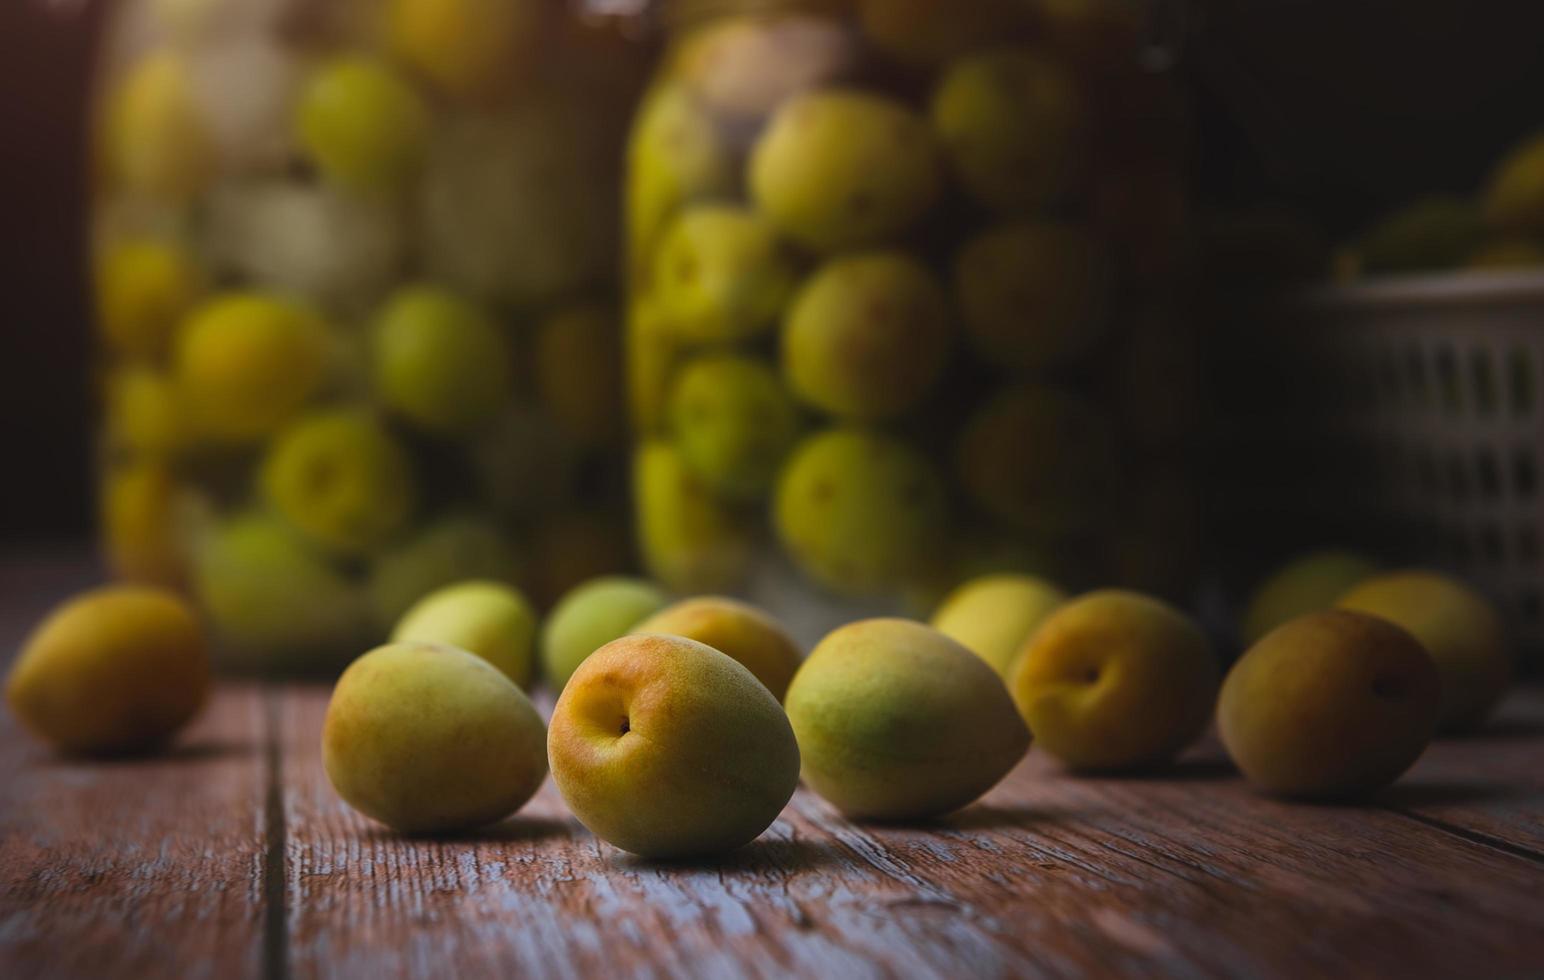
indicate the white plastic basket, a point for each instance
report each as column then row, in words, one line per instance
column 1437, row 382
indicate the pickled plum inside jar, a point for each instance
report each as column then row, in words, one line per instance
column 885, row 260
column 358, row 306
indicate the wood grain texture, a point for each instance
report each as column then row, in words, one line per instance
column 141, row 867
column 1188, row 874
column 232, row 857
column 132, row 868
column 1489, row 784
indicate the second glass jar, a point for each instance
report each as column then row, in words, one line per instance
column 905, row 282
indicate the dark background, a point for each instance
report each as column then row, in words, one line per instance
column 1340, row 108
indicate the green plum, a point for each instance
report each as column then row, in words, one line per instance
column 721, row 275
column 448, row 550
column 491, row 619
column 428, row 738
column 733, row 423
column 247, row 362
column 274, row 603
column 144, row 286
column 591, row 615
column 895, row 721
column 677, row 156
column 866, row 336
column 859, row 511
column 115, row 670
column 687, row 539
column 1010, row 121
column 153, row 139
column 1308, row 583
column 838, row 169
column 1431, row 234
column 363, row 125
column 439, row 361
column 340, row 478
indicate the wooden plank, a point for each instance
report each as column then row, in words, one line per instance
column 1187, row 875
column 132, row 868
column 136, row 868
column 1488, row 786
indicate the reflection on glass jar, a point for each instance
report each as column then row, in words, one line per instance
column 903, row 300
column 357, row 306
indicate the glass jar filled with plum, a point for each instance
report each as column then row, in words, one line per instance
column 356, row 277
column 904, row 281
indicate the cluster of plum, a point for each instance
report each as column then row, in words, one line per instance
column 355, row 274
column 683, row 729
column 900, row 275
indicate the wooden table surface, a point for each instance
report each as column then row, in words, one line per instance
column 231, row 857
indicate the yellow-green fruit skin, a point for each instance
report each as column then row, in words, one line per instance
column 246, row 362
column 993, row 615
column 449, row 550
column 466, row 48
column 143, row 288
column 839, row 169
column 274, row 603
column 687, row 538
column 439, row 361
column 116, row 670
column 742, row 631
column 1304, row 585
column 721, row 275
column 590, row 616
column 858, row 510
column 490, row 619
column 1461, row 630
column 342, row 479
column 430, row 739
column 866, row 336
column 675, row 156
column 667, row 748
column 1010, row 121
column 364, row 126
column 1432, row 233
column 153, row 139
column 1115, row 680
column 896, row 721
column 1331, row 704
column 733, row 423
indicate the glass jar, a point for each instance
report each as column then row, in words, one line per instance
column 356, row 278
column 905, row 287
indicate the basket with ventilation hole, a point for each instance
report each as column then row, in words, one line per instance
column 1436, row 382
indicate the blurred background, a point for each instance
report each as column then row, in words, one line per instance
column 1309, row 121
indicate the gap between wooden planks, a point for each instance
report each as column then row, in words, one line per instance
column 232, row 857
column 1189, row 874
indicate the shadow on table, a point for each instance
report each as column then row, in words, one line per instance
column 1444, row 792
column 514, row 830
column 1204, row 769
column 206, row 750
column 765, row 855
column 1500, row 728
